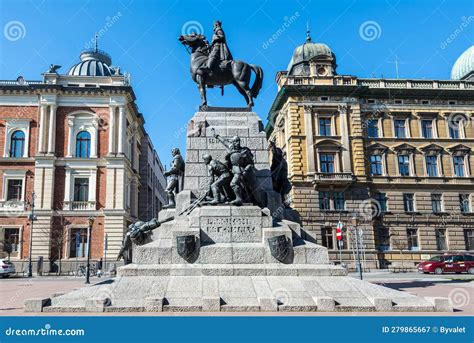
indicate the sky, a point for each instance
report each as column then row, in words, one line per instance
column 367, row 36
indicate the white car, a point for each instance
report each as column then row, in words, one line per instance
column 6, row 268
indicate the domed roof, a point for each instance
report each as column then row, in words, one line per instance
column 309, row 50
column 464, row 65
column 94, row 62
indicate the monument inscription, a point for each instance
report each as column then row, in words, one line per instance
column 231, row 229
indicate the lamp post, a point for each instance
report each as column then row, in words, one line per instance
column 90, row 221
column 357, row 232
column 32, row 218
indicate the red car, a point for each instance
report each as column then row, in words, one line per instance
column 448, row 264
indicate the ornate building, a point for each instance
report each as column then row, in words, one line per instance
column 73, row 141
column 397, row 154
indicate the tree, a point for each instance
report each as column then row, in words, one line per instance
column 7, row 247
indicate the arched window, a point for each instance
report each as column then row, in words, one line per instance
column 17, row 144
column 83, row 144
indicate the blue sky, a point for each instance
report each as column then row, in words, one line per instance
column 141, row 35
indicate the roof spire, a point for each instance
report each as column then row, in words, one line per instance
column 96, row 43
column 308, row 35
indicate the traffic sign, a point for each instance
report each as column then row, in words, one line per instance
column 339, row 231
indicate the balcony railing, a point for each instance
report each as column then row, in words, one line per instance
column 79, row 205
column 333, row 177
column 13, row 207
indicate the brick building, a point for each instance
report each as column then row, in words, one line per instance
column 75, row 141
column 395, row 153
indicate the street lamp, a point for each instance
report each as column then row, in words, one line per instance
column 357, row 232
column 90, row 222
column 31, row 218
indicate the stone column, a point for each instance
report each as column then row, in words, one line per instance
column 345, row 151
column 41, row 129
column 112, row 129
column 52, row 129
column 308, row 123
column 94, row 137
column 70, row 140
column 121, row 130
column 67, row 190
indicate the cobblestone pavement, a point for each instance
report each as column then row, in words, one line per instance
column 460, row 288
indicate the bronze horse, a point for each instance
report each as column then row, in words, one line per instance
column 230, row 72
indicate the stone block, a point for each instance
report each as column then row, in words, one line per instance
column 96, row 304
column 261, row 156
column 154, row 304
column 192, row 156
column 211, row 304
column 316, row 254
column 325, row 304
column 237, row 131
column 216, row 254
column 197, row 143
column 196, row 169
column 36, row 304
column 247, row 253
column 166, row 213
column 441, row 304
column 268, row 304
column 255, row 143
column 382, row 304
column 183, row 199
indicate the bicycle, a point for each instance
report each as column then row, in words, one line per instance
column 82, row 270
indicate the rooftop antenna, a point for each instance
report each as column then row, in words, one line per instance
column 396, row 62
column 308, row 33
column 96, row 42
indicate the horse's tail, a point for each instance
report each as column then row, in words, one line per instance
column 257, row 84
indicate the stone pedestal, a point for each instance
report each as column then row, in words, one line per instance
column 232, row 267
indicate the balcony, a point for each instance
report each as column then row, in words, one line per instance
column 333, row 178
column 12, row 208
column 79, row 206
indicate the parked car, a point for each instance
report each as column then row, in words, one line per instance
column 6, row 268
column 449, row 263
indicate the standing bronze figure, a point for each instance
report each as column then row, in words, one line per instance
column 213, row 65
column 175, row 174
column 279, row 169
column 244, row 181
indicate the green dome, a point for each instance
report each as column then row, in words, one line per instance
column 464, row 65
column 309, row 50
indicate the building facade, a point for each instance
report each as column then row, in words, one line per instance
column 71, row 146
column 395, row 154
column 153, row 183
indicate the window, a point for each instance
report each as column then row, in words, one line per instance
column 12, row 236
column 427, row 128
column 327, row 237
column 83, row 144
column 14, row 189
column 400, row 131
column 384, row 238
column 458, row 162
column 327, row 163
column 382, row 201
column 324, row 201
column 79, row 246
column 373, row 128
column 17, row 144
column 81, row 189
column 454, row 128
column 464, row 203
column 469, row 239
column 376, row 164
column 339, row 201
column 436, row 203
column 408, row 202
column 412, row 237
column 441, row 239
column 404, row 165
column 325, row 126
column 425, row 102
column 432, row 166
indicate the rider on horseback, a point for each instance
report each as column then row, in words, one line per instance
column 219, row 50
